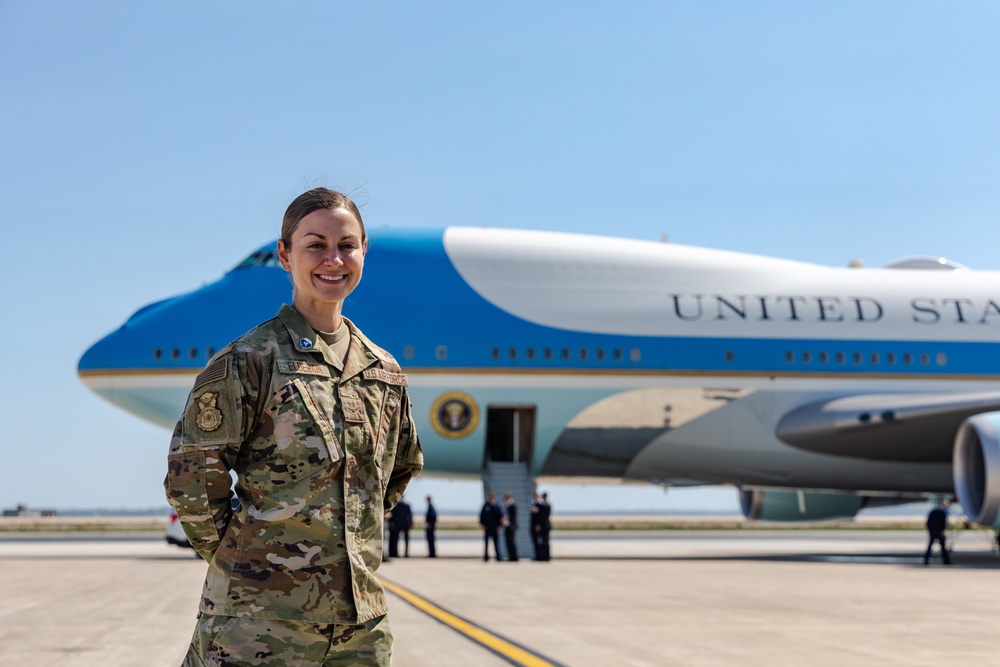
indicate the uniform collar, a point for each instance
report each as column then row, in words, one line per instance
column 361, row 354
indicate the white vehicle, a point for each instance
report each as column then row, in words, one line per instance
column 174, row 533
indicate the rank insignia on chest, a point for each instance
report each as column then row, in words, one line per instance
column 209, row 418
column 354, row 410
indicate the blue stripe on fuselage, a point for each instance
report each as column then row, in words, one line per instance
column 415, row 304
column 412, row 297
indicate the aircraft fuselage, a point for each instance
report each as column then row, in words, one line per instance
column 611, row 358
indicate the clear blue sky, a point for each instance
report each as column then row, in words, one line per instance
column 147, row 147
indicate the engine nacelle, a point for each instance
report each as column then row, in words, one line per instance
column 766, row 505
column 977, row 468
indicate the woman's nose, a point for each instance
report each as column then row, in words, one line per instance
column 333, row 256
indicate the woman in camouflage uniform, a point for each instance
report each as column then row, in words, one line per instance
column 315, row 421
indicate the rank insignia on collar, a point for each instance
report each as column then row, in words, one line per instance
column 209, row 418
column 305, row 343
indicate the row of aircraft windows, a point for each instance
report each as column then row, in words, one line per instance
column 545, row 354
column 176, row 353
column 441, row 353
column 565, row 354
column 858, row 358
column 806, row 357
column 635, row 355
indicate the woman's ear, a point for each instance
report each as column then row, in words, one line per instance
column 283, row 255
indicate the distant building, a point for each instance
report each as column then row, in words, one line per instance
column 22, row 510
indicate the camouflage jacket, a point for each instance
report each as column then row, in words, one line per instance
column 319, row 454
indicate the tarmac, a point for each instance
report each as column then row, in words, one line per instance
column 680, row 597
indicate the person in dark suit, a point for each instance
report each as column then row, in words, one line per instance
column 536, row 526
column 937, row 527
column 489, row 519
column 430, row 521
column 386, row 536
column 544, row 527
column 509, row 522
column 400, row 522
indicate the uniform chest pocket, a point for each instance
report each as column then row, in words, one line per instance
column 385, row 445
column 389, row 407
column 303, row 432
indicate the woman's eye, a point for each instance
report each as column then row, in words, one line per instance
column 315, row 244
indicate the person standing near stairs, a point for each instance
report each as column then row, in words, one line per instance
column 430, row 522
column 535, row 526
column 509, row 522
column 544, row 527
column 489, row 519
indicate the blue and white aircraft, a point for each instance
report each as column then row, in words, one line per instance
column 816, row 390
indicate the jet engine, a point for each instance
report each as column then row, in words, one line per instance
column 977, row 468
column 768, row 505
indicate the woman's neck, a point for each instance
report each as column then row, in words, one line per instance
column 320, row 316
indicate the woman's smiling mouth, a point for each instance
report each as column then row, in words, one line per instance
column 331, row 279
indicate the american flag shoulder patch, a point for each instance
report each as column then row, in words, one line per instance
column 215, row 371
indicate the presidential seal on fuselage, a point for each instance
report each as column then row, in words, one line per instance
column 454, row 414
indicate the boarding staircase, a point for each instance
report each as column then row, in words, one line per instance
column 515, row 478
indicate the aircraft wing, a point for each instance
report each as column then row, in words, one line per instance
column 916, row 428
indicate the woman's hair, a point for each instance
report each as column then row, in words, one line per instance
column 315, row 200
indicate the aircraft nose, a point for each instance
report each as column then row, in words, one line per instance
column 96, row 368
column 112, row 368
column 98, row 357
column 148, row 364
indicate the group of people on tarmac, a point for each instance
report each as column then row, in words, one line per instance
column 494, row 516
column 398, row 522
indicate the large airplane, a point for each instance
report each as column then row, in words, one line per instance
column 817, row 391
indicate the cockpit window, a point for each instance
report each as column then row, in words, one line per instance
column 267, row 257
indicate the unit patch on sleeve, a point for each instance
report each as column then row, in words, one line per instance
column 385, row 376
column 209, row 418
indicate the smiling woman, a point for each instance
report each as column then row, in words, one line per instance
column 325, row 255
column 316, row 422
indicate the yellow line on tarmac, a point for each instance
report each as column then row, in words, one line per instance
column 517, row 655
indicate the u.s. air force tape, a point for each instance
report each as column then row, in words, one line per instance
column 385, row 376
column 215, row 371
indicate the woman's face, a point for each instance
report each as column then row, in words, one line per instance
column 326, row 257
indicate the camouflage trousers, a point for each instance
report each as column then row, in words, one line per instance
column 227, row 641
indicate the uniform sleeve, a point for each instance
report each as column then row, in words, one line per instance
column 409, row 458
column 206, row 442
